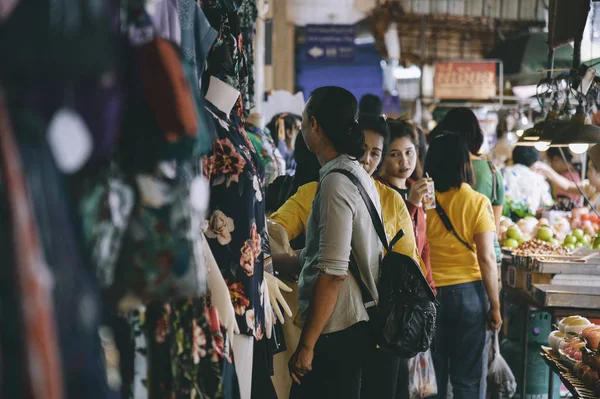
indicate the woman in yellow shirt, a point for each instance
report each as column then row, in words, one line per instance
column 463, row 263
column 379, row 381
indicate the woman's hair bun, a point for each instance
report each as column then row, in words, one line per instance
column 335, row 110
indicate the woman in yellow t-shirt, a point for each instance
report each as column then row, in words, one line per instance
column 463, row 266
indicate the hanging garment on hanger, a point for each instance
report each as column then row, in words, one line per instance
column 43, row 377
column 248, row 13
column 197, row 37
column 76, row 303
column 270, row 156
column 167, row 90
column 227, row 60
column 56, row 41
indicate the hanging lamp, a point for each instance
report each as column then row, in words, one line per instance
column 579, row 134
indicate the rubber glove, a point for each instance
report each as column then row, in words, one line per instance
column 268, row 308
column 219, row 292
column 278, row 239
column 274, row 285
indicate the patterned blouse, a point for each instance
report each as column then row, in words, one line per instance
column 236, row 228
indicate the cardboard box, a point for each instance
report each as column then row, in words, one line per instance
column 523, row 279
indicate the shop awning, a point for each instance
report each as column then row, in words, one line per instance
column 525, row 55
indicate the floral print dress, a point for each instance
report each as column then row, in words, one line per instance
column 236, row 227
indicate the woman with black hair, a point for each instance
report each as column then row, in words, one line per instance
column 463, row 262
column 335, row 338
column 307, row 170
column 284, row 129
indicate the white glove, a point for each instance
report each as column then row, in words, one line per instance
column 274, row 286
column 278, row 239
column 268, row 308
column 220, row 292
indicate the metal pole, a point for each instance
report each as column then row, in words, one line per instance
column 550, row 61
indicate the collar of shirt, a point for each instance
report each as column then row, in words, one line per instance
column 335, row 163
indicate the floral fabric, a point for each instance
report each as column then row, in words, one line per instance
column 236, row 226
column 231, row 57
column 269, row 155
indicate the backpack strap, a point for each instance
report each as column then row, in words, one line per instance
column 367, row 297
column 495, row 181
column 448, row 224
column 375, row 218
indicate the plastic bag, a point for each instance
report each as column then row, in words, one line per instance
column 421, row 382
column 501, row 380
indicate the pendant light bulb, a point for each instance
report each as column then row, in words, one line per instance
column 578, row 148
column 542, row 146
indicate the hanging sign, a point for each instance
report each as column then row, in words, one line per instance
column 464, row 80
column 330, row 43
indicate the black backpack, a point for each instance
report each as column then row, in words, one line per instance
column 403, row 322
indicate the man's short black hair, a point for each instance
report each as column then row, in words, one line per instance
column 525, row 156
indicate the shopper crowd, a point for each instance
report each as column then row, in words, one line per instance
column 335, row 352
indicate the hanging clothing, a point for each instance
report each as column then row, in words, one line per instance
column 236, row 228
column 270, row 156
column 43, row 371
column 248, row 13
column 227, row 59
column 165, row 18
column 197, row 37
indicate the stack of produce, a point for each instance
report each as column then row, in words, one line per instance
column 578, row 232
column 539, row 247
column 577, row 340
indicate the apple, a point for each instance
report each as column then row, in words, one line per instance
column 570, row 239
column 510, row 243
column 545, row 233
column 569, row 246
column 586, row 239
column 579, row 245
column 514, row 232
column 578, row 233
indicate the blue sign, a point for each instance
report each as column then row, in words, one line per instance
column 330, row 43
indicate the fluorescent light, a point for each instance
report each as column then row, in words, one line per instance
column 578, row 148
column 542, row 146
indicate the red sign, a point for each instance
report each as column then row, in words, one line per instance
column 465, row 80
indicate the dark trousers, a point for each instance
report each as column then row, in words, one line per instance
column 460, row 339
column 386, row 376
column 337, row 367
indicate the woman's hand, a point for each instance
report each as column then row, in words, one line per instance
column 418, row 190
column 494, row 319
column 301, row 362
column 542, row 168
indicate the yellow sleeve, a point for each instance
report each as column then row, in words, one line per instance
column 396, row 217
column 485, row 217
column 293, row 214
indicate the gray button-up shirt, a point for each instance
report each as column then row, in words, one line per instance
column 339, row 221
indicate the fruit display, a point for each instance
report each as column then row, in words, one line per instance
column 577, row 341
column 539, row 247
column 577, row 229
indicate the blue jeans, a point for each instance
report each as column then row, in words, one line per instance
column 460, row 339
